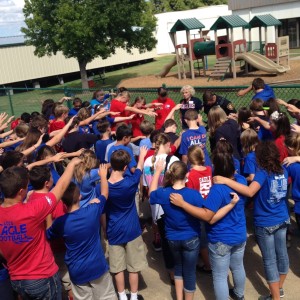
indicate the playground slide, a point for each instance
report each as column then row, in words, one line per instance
column 260, row 62
column 166, row 69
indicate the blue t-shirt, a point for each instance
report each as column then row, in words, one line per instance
column 250, row 165
column 13, row 147
column 294, row 172
column 145, row 142
column 231, row 229
column 100, row 149
column 270, row 206
column 195, row 137
column 122, row 219
column 80, row 230
column 73, row 112
column 237, row 165
column 132, row 162
column 87, row 187
column 179, row 224
column 54, row 174
column 265, row 94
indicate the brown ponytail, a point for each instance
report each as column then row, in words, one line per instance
column 161, row 139
column 177, row 171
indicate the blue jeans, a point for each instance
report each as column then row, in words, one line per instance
column 185, row 254
column 39, row 289
column 222, row 258
column 274, row 252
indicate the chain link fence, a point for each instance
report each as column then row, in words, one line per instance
column 15, row 101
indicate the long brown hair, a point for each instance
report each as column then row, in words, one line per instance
column 292, row 141
column 268, row 157
column 215, row 118
column 249, row 140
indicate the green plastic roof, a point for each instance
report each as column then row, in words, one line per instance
column 231, row 21
column 187, row 24
column 264, row 21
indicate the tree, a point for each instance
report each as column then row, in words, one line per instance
column 160, row 6
column 86, row 29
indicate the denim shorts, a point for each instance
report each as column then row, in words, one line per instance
column 185, row 254
column 46, row 288
column 272, row 245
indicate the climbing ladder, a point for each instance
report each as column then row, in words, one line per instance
column 222, row 66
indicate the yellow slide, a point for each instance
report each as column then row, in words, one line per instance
column 166, row 69
column 260, row 62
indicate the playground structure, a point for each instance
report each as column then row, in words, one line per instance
column 227, row 50
column 193, row 50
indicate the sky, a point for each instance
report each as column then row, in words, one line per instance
column 11, row 17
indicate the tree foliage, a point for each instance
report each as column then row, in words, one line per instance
column 160, row 6
column 86, row 29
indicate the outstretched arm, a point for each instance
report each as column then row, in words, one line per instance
column 242, row 189
column 103, row 180
column 58, row 137
column 171, row 113
column 65, row 179
column 159, row 167
column 222, row 212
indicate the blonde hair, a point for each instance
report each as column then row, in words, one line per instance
column 177, row 171
column 189, row 89
column 196, row 155
column 215, row 118
column 60, row 110
column 162, row 139
column 249, row 140
column 89, row 162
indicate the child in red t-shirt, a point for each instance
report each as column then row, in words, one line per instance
column 200, row 179
column 61, row 113
column 119, row 104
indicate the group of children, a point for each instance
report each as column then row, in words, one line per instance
column 70, row 178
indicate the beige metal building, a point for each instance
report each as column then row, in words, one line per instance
column 18, row 63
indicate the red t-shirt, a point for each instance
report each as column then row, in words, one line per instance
column 200, row 181
column 56, row 125
column 162, row 111
column 283, row 151
column 117, row 106
column 135, row 123
column 23, row 239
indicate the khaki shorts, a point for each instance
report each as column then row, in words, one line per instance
column 63, row 271
column 101, row 289
column 130, row 256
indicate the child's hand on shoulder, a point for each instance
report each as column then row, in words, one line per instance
column 160, row 165
column 143, row 151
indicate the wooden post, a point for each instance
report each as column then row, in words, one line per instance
column 177, row 55
column 266, row 36
column 260, row 40
column 250, row 40
column 189, row 50
column 233, row 54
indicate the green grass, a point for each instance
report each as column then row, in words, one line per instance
column 29, row 101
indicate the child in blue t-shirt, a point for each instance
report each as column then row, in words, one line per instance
column 146, row 128
column 195, row 135
column 271, row 216
column 126, row 246
column 80, row 227
column 123, row 136
column 249, row 141
column 292, row 165
column 86, row 176
column 104, row 129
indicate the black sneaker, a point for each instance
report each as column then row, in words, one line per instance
column 233, row 296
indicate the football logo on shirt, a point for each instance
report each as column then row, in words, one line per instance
column 14, row 233
column 48, row 200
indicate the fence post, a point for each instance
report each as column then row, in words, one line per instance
column 10, row 102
